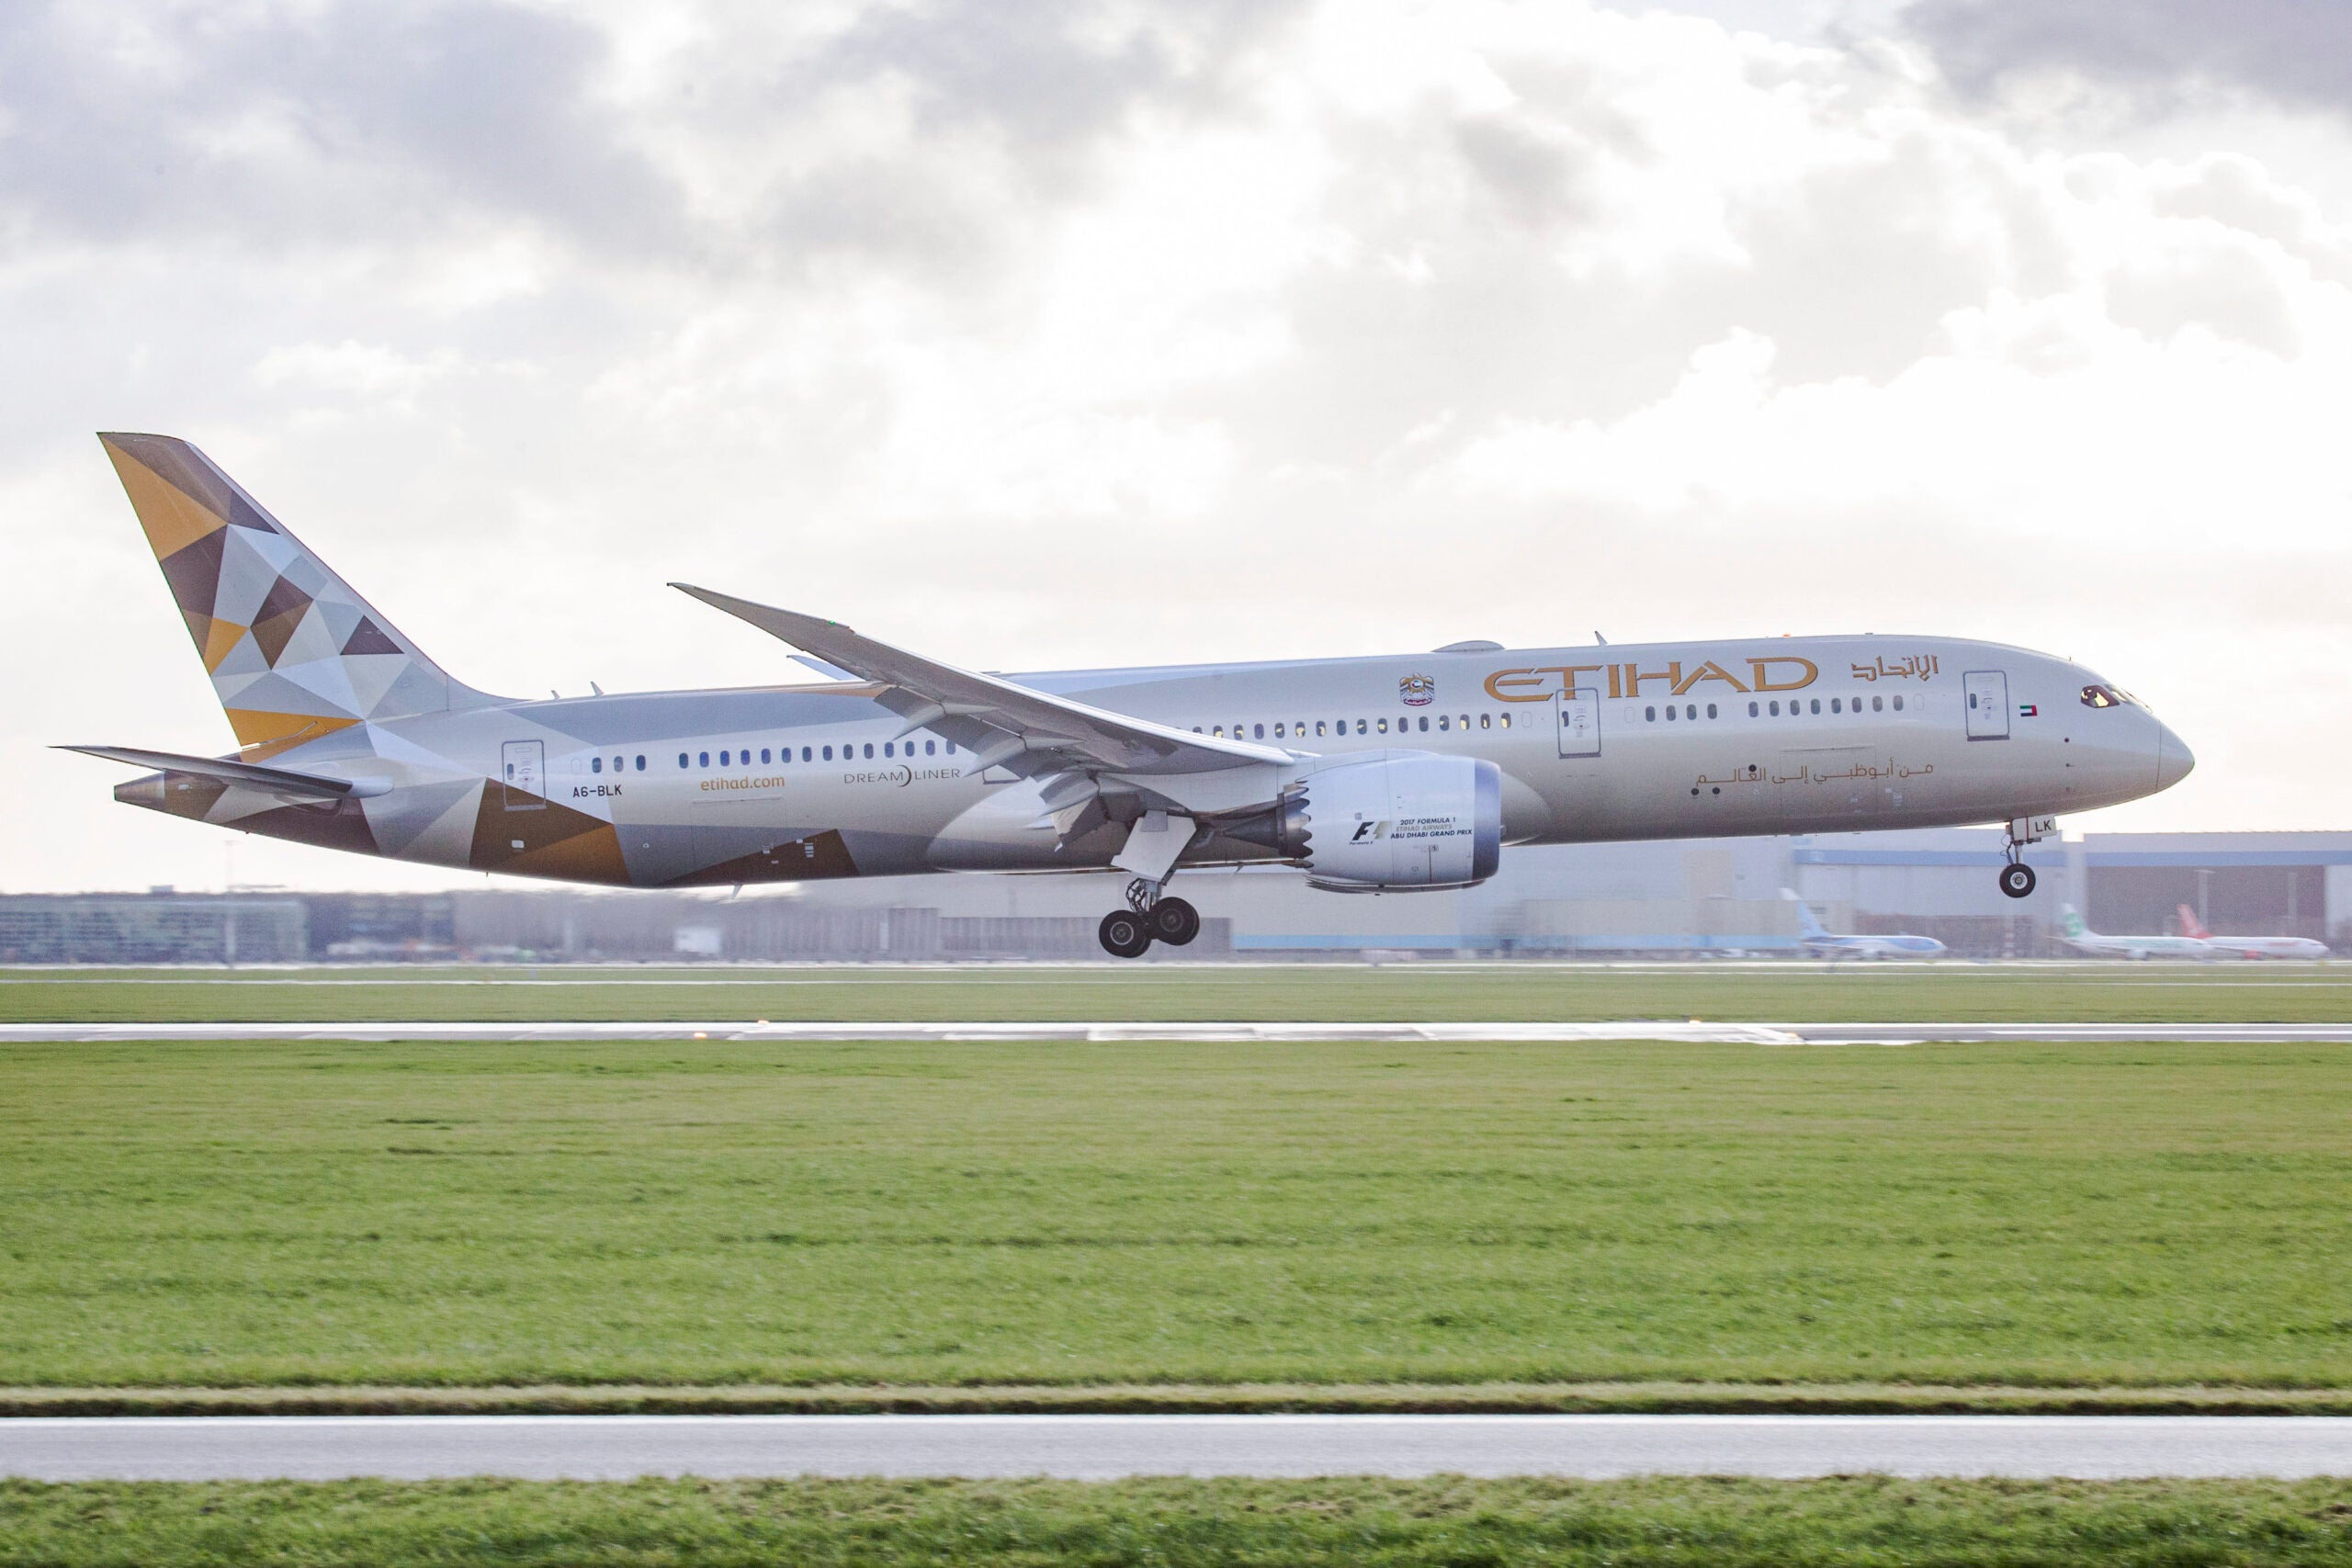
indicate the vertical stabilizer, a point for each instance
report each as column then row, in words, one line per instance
column 294, row 654
column 1812, row 929
column 2191, row 926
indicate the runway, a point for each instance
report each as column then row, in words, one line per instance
column 1665, row 1031
column 1092, row 1448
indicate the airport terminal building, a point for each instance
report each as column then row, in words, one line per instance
column 1685, row 899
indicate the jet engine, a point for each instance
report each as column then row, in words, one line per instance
column 1402, row 821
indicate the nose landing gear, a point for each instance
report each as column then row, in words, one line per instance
column 2016, row 877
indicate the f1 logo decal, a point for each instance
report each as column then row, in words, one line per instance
column 1372, row 829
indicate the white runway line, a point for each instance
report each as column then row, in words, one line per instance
column 1640, row 1029
column 1095, row 1447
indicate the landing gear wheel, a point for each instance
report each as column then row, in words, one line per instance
column 1174, row 921
column 1125, row 933
column 2016, row 879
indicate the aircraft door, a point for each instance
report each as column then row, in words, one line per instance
column 1987, row 692
column 1578, row 722
column 524, row 763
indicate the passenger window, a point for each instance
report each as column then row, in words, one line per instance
column 682, row 759
column 1972, row 699
column 829, row 754
column 596, row 764
column 1486, row 720
column 1898, row 702
column 1319, row 727
column 1425, row 724
column 931, row 747
column 887, row 750
column 1384, row 727
column 1816, row 705
column 640, row 762
column 1836, row 705
column 702, row 759
column 1217, row 730
column 1878, row 705
column 1650, row 713
column 870, row 750
column 1259, row 730
column 1506, row 721
column 806, row 756
column 764, row 755
column 1690, row 710
column 1711, row 710
column 1278, row 731
column 1776, row 707
column 1441, row 722
column 722, row 759
column 951, row 748
column 1361, row 726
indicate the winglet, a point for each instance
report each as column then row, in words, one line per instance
column 784, row 626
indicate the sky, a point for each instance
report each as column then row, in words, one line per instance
column 1071, row 334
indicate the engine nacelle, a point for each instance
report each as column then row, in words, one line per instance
column 1403, row 820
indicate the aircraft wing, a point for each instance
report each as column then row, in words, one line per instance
column 274, row 781
column 1034, row 731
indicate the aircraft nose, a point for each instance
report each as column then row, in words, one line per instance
column 2173, row 759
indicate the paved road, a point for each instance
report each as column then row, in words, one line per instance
column 1633, row 1029
column 1102, row 1447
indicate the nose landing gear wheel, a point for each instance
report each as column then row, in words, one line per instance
column 1174, row 921
column 2016, row 879
column 1125, row 933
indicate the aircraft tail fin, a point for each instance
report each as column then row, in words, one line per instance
column 2191, row 926
column 1811, row 927
column 2069, row 922
column 293, row 652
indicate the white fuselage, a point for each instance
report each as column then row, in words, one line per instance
column 2267, row 947
column 1610, row 742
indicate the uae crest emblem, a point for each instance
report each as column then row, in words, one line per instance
column 1419, row 690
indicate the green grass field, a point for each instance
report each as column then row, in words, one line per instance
column 2257, row 993
column 1174, row 1524
column 224, row 1214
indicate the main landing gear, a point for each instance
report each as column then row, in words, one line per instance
column 2016, row 878
column 1148, row 918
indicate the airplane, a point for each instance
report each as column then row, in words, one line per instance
column 2082, row 939
column 1369, row 774
column 2251, row 946
column 1820, row 943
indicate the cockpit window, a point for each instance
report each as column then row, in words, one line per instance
column 2098, row 696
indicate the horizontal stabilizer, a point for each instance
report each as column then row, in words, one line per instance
column 277, row 780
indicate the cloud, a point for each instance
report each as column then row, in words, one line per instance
column 2289, row 51
column 279, row 125
column 1084, row 335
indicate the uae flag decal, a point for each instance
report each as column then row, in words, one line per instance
column 2027, row 710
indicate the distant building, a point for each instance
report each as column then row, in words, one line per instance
column 1688, row 899
column 157, row 926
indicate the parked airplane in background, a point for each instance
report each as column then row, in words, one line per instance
column 1820, row 943
column 2082, row 939
column 2251, row 946
column 1369, row 774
